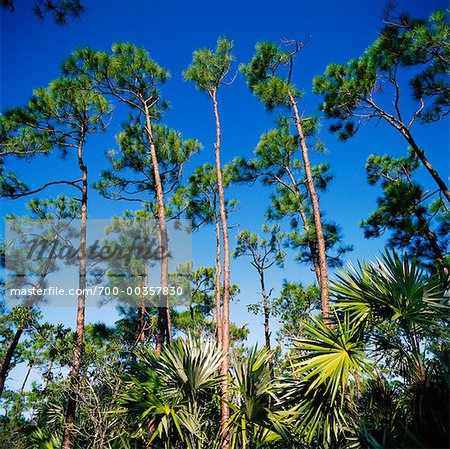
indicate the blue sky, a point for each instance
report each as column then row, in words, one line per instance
column 32, row 51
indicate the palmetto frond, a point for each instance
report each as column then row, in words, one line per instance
column 400, row 304
column 257, row 419
column 392, row 288
column 189, row 367
column 326, row 359
column 329, row 355
column 173, row 393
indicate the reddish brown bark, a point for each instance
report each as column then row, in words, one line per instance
column 67, row 442
column 219, row 330
column 426, row 163
column 7, row 359
column 324, row 289
column 225, row 415
column 164, row 322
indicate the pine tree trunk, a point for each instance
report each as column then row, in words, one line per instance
column 219, row 329
column 142, row 310
column 301, row 210
column 25, row 380
column 226, row 282
column 164, row 322
column 324, row 291
column 67, row 442
column 312, row 248
column 48, row 376
column 6, row 362
column 431, row 237
column 265, row 310
column 426, row 163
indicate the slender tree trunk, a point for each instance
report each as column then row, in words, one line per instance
column 431, row 237
column 142, row 310
column 426, row 163
column 162, row 326
column 301, row 210
column 49, row 375
column 324, row 291
column 6, row 361
column 164, row 321
column 219, row 330
column 25, row 380
column 265, row 310
column 226, row 281
column 312, row 248
column 67, row 442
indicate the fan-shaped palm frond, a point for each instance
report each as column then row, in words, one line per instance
column 257, row 419
column 325, row 360
column 394, row 288
column 174, row 393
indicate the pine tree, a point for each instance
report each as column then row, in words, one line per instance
column 132, row 178
column 264, row 254
column 357, row 92
column 133, row 78
column 276, row 164
column 269, row 76
column 61, row 11
column 199, row 200
column 417, row 223
column 63, row 116
column 209, row 71
column 22, row 316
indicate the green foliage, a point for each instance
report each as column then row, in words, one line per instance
column 40, row 440
column 276, row 164
column 351, row 92
column 209, row 69
column 265, row 252
column 256, row 419
column 292, row 306
column 394, row 290
column 268, row 75
column 345, row 88
column 59, row 208
column 331, row 355
column 326, row 358
column 402, row 311
column 61, row 11
column 199, row 198
column 416, row 223
column 132, row 174
column 198, row 318
column 9, row 183
column 128, row 74
column 424, row 44
column 372, row 375
column 61, row 116
column 175, row 392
